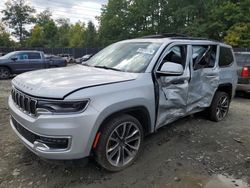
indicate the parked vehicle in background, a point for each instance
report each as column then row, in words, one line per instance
column 22, row 61
column 55, row 61
column 130, row 89
column 83, row 58
column 243, row 62
column 68, row 57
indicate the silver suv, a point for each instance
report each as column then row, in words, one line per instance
column 130, row 89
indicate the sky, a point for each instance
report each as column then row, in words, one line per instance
column 75, row 10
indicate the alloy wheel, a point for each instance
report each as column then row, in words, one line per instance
column 123, row 144
column 222, row 107
column 4, row 73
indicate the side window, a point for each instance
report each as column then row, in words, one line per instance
column 177, row 54
column 204, row 56
column 34, row 55
column 226, row 57
column 22, row 56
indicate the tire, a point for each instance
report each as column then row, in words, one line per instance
column 114, row 150
column 219, row 107
column 4, row 73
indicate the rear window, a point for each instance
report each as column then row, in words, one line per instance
column 242, row 59
column 226, row 56
column 34, row 55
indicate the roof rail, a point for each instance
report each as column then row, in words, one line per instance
column 176, row 36
column 165, row 35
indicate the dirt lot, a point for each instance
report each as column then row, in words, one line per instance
column 192, row 152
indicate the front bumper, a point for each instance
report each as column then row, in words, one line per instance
column 243, row 87
column 77, row 129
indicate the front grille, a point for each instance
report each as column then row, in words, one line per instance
column 53, row 143
column 24, row 102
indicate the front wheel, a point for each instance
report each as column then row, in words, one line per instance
column 219, row 107
column 4, row 73
column 120, row 143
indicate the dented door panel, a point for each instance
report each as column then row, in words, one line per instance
column 173, row 93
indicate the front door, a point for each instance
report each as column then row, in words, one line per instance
column 204, row 77
column 21, row 63
column 173, row 90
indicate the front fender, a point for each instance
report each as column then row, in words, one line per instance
column 120, row 107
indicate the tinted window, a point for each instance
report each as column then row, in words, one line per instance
column 242, row 58
column 34, row 55
column 177, row 54
column 204, row 56
column 22, row 56
column 226, row 57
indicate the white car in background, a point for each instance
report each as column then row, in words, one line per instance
column 67, row 57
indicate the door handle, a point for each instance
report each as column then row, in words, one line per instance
column 176, row 82
column 210, row 76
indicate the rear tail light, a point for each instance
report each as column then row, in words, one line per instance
column 245, row 72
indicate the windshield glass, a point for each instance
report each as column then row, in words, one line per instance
column 8, row 56
column 127, row 57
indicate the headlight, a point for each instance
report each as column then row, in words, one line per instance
column 61, row 106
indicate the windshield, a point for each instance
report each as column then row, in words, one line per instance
column 127, row 57
column 8, row 56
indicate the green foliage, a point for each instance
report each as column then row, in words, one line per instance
column 239, row 35
column 224, row 20
column 76, row 34
column 91, row 36
column 36, row 39
column 216, row 19
column 17, row 15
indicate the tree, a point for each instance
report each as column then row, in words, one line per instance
column 44, row 17
column 63, row 32
column 50, row 33
column 76, row 33
column 91, row 35
column 36, row 39
column 17, row 15
column 5, row 40
column 113, row 21
column 239, row 35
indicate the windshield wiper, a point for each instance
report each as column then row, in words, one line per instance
column 108, row 68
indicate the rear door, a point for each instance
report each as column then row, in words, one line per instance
column 173, row 90
column 204, row 77
column 35, row 61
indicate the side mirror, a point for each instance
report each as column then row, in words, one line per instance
column 14, row 58
column 170, row 68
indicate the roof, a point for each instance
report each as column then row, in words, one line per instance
column 175, row 36
column 29, row 51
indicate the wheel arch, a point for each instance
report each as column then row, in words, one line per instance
column 141, row 113
column 5, row 66
column 227, row 88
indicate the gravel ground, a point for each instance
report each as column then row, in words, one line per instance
column 192, row 152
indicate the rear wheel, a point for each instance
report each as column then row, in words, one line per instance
column 120, row 143
column 4, row 73
column 219, row 107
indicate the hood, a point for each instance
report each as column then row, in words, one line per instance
column 4, row 60
column 58, row 82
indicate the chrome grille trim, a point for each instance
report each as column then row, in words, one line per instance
column 24, row 102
